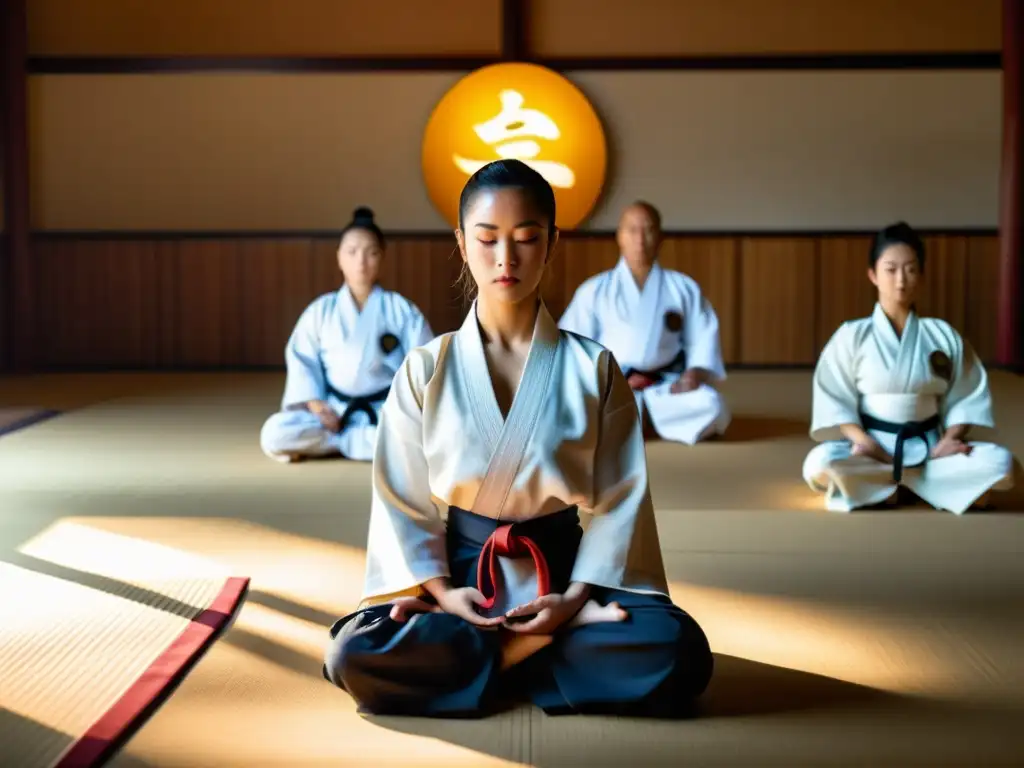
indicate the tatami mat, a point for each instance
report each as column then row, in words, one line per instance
column 883, row 638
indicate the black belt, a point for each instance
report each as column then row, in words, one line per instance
column 677, row 365
column 356, row 403
column 911, row 430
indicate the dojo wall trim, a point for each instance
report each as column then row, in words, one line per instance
column 228, row 301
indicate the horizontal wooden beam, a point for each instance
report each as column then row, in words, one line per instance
column 158, row 235
column 446, row 234
column 115, row 65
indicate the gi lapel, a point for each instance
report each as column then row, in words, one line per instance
column 363, row 336
column 649, row 313
column 506, row 439
column 901, row 373
column 635, row 331
column 886, row 342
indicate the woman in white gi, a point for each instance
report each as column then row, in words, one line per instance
column 511, row 426
column 662, row 330
column 342, row 356
column 895, row 396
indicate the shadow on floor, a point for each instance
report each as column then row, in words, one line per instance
column 27, row 743
column 276, row 653
column 291, row 608
column 133, row 593
column 744, row 688
column 740, row 688
column 102, row 583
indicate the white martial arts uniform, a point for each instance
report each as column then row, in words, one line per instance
column 572, row 438
column 492, row 503
column 647, row 330
column 867, row 372
column 347, row 358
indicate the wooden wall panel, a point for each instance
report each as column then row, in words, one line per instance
column 276, row 281
column 207, row 308
column 715, row 264
column 230, row 303
column 778, row 284
column 944, row 290
column 844, row 291
column 263, row 27
column 723, row 27
column 101, row 303
column 982, row 293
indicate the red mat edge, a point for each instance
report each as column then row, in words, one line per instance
column 168, row 668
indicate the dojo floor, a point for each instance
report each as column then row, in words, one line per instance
column 880, row 638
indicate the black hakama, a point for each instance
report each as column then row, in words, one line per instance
column 438, row 665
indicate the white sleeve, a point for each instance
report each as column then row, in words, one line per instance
column 406, row 543
column 620, row 548
column 305, row 379
column 968, row 399
column 701, row 338
column 836, row 400
column 417, row 331
column 580, row 316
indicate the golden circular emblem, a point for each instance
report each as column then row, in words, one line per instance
column 523, row 112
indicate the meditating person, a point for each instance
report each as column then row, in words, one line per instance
column 511, row 427
column 342, row 356
column 894, row 398
column 661, row 329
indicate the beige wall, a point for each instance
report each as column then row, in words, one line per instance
column 727, row 151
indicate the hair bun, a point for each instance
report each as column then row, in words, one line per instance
column 363, row 214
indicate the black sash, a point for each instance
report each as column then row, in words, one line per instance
column 363, row 403
column 676, row 365
column 911, row 430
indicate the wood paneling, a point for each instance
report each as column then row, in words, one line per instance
column 231, row 302
column 778, row 300
column 723, row 27
column 943, row 292
column 844, row 290
column 982, row 294
column 263, row 27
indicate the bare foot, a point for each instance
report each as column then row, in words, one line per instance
column 594, row 613
column 404, row 608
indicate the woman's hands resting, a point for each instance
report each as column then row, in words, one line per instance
column 550, row 612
